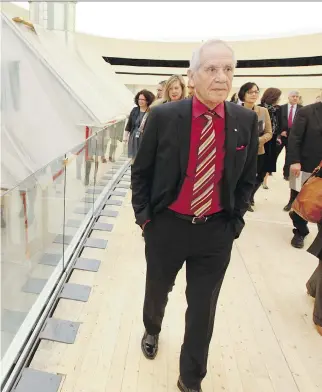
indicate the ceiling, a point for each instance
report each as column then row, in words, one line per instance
column 192, row 21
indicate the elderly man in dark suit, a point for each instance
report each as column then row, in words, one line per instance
column 191, row 183
column 288, row 112
column 304, row 154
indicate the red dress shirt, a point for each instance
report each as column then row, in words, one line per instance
column 183, row 203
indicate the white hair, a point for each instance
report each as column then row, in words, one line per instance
column 294, row 92
column 195, row 59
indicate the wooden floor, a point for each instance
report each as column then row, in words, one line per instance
column 264, row 338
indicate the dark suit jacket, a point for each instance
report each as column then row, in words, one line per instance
column 162, row 160
column 316, row 248
column 305, row 141
column 130, row 126
column 284, row 117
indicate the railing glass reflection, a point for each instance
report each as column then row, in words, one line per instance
column 39, row 220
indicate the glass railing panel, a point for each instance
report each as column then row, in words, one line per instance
column 109, row 143
column 31, row 248
column 81, row 169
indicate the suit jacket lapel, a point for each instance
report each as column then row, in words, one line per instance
column 184, row 134
column 231, row 130
column 285, row 113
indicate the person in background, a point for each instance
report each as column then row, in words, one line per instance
column 191, row 183
column 160, row 89
column 314, row 284
column 248, row 94
column 143, row 101
column 318, row 98
column 304, row 154
column 288, row 112
column 175, row 90
column 270, row 100
column 234, row 98
column 190, row 91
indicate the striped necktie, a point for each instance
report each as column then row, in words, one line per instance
column 203, row 185
column 290, row 118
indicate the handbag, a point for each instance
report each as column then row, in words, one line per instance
column 308, row 203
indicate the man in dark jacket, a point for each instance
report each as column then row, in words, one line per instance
column 288, row 113
column 191, row 184
column 314, row 284
column 304, row 154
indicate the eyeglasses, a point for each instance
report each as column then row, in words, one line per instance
column 142, row 99
column 253, row 92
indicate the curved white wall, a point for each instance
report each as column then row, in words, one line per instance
column 297, row 46
column 286, row 47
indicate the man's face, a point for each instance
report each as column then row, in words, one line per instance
column 213, row 79
column 190, row 91
column 293, row 99
column 160, row 90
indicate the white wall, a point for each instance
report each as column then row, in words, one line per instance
column 297, row 46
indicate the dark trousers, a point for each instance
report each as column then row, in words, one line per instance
column 260, row 175
column 279, row 148
column 300, row 224
column 293, row 195
column 206, row 249
column 314, row 284
column 314, row 288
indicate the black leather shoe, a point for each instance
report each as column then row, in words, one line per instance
column 149, row 345
column 288, row 207
column 183, row 388
column 297, row 241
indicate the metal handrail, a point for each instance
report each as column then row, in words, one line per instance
column 70, row 151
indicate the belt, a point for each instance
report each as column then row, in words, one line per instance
column 197, row 220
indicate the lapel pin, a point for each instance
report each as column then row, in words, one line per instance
column 235, row 130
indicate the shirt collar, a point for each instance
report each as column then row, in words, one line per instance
column 198, row 108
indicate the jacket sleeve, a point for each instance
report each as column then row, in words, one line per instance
column 129, row 124
column 143, row 169
column 296, row 136
column 247, row 179
column 268, row 134
column 281, row 120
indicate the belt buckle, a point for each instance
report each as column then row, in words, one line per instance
column 199, row 219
